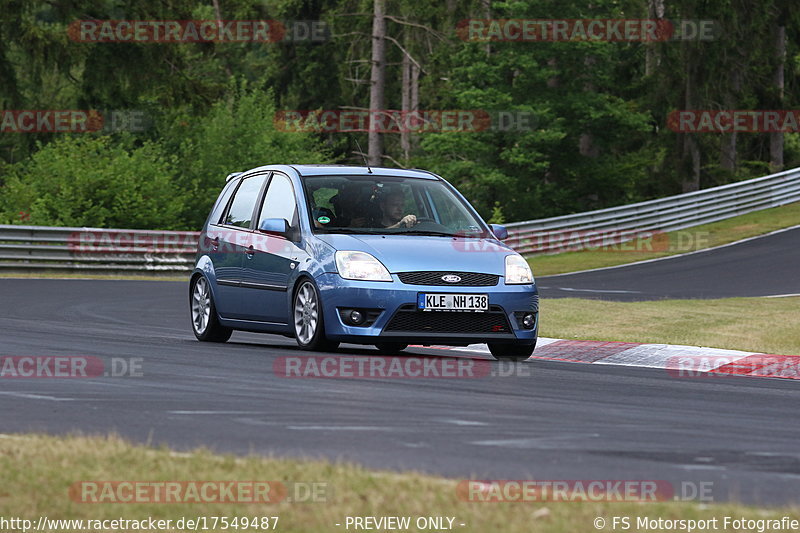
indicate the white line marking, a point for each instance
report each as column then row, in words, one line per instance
column 782, row 295
column 542, row 442
column 29, row 396
column 595, row 290
column 341, row 428
column 215, row 412
column 464, row 422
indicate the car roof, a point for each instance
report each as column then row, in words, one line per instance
column 350, row 170
column 334, row 170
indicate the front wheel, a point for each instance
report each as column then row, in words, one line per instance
column 309, row 326
column 205, row 324
column 511, row 352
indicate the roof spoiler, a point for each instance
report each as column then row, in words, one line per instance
column 232, row 175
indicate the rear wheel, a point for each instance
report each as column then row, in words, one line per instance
column 511, row 352
column 205, row 324
column 309, row 325
column 390, row 347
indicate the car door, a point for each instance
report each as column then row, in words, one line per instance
column 228, row 241
column 270, row 260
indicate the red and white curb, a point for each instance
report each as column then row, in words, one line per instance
column 679, row 361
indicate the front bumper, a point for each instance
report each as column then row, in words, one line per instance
column 393, row 308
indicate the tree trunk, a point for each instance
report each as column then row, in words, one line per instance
column 655, row 11
column 776, row 137
column 405, row 106
column 586, row 144
column 690, row 168
column 727, row 151
column 377, row 84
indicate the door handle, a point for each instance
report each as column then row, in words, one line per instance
column 215, row 244
column 250, row 252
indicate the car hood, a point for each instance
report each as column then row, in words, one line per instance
column 408, row 253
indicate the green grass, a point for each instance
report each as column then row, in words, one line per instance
column 38, row 471
column 671, row 243
column 768, row 325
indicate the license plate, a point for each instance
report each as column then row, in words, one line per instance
column 452, row 302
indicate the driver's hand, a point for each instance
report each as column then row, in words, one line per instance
column 408, row 221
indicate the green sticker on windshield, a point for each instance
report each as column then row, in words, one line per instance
column 323, row 220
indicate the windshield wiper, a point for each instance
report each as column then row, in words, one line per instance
column 354, row 231
column 426, row 232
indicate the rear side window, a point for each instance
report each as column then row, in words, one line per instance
column 241, row 210
column 222, row 201
column 279, row 202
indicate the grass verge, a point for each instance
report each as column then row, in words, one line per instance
column 768, row 325
column 670, row 243
column 38, row 471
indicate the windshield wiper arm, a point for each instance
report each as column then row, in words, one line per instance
column 349, row 231
column 427, row 232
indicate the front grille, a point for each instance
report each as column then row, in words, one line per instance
column 468, row 279
column 408, row 318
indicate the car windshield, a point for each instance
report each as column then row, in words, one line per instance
column 388, row 205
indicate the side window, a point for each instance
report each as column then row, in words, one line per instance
column 222, row 202
column 244, row 201
column 279, row 202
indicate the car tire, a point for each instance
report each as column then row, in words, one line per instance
column 389, row 348
column 511, row 352
column 308, row 320
column 205, row 322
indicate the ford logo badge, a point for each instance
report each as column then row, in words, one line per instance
column 451, row 278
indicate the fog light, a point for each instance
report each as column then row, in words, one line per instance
column 528, row 321
column 355, row 317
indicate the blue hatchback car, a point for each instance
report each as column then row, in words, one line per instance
column 387, row 257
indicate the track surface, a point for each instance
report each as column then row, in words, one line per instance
column 764, row 266
column 562, row 421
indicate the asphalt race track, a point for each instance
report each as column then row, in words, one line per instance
column 764, row 266
column 548, row 421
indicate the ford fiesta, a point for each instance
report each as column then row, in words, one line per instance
column 332, row 254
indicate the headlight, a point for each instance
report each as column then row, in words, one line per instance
column 361, row 266
column 517, row 270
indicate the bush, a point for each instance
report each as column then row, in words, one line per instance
column 237, row 134
column 93, row 181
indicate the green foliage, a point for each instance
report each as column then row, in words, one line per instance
column 93, row 181
column 599, row 136
column 237, row 134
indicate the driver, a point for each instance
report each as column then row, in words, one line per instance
column 392, row 207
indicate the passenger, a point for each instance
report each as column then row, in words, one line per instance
column 392, row 205
column 347, row 204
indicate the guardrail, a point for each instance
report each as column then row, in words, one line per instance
column 96, row 250
column 619, row 224
column 115, row 250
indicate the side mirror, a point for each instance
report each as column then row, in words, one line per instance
column 499, row 231
column 275, row 226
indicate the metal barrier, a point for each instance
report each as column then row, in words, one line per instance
column 116, row 250
column 96, row 250
column 619, row 224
